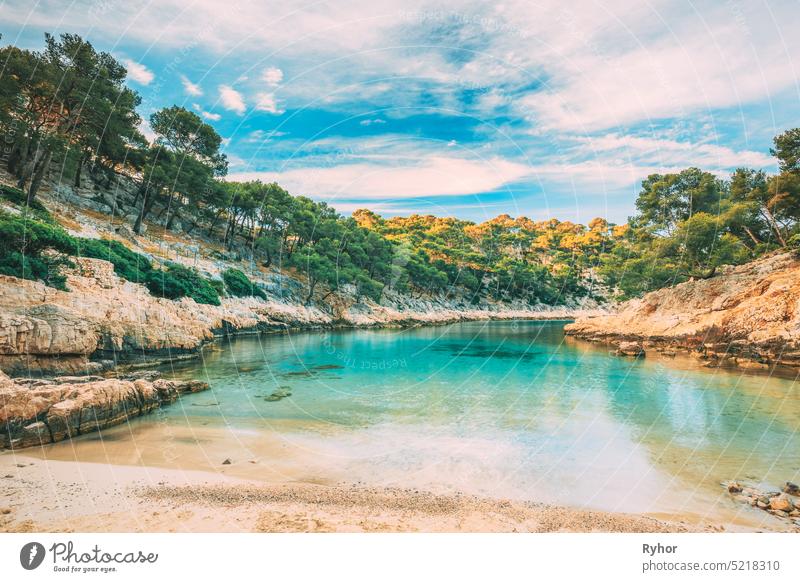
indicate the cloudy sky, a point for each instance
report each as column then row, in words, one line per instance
column 464, row 108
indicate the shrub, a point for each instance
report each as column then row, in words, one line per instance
column 129, row 265
column 20, row 199
column 238, row 285
column 175, row 281
column 28, row 247
column 793, row 244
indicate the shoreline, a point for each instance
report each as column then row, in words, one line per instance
column 67, row 496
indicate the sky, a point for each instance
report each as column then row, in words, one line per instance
column 458, row 108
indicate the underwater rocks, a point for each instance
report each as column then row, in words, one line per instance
column 745, row 317
column 279, row 394
column 784, row 505
column 38, row 412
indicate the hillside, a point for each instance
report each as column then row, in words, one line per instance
column 101, row 319
column 746, row 316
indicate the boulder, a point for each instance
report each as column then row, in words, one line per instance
column 781, row 502
column 791, row 488
column 632, row 349
column 734, row 487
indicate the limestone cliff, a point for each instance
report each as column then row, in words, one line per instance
column 746, row 316
column 103, row 320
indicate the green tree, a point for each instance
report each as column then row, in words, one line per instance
column 180, row 164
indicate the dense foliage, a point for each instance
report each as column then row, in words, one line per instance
column 69, row 104
column 175, row 281
column 34, row 249
column 238, row 285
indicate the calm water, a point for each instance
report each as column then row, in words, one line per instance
column 506, row 409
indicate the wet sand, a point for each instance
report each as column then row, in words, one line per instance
column 61, row 496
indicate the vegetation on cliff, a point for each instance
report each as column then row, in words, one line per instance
column 68, row 106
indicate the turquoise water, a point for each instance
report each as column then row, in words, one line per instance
column 507, row 409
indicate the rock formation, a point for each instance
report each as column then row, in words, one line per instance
column 37, row 412
column 746, row 316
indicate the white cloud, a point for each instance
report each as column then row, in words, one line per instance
column 602, row 64
column 371, row 122
column 272, row 76
column 261, row 135
column 435, row 176
column 138, row 72
column 672, row 153
column 191, row 88
column 231, row 99
column 206, row 114
column 267, row 102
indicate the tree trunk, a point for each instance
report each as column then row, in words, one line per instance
column 311, row 292
column 147, row 205
column 168, row 205
column 752, row 236
column 27, row 167
column 214, row 221
column 41, row 170
column 78, row 172
column 192, row 226
column 774, row 225
column 15, row 157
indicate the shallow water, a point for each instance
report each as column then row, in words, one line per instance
column 505, row 409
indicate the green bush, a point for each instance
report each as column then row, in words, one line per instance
column 175, row 281
column 19, row 199
column 129, row 265
column 238, row 285
column 28, row 246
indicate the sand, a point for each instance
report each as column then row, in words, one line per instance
column 70, row 496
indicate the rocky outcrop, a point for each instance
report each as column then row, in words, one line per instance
column 746, row 316
column 47, row 331
column 37, row 412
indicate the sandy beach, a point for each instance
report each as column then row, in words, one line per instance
column 61, row 496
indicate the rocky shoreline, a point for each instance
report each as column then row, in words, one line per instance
column 783, row 504
column 40, row 412
column 746, row 317
column 104, row 321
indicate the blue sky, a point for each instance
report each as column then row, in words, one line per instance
column 463, row 108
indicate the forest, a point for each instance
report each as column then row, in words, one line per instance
column 66, row 112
